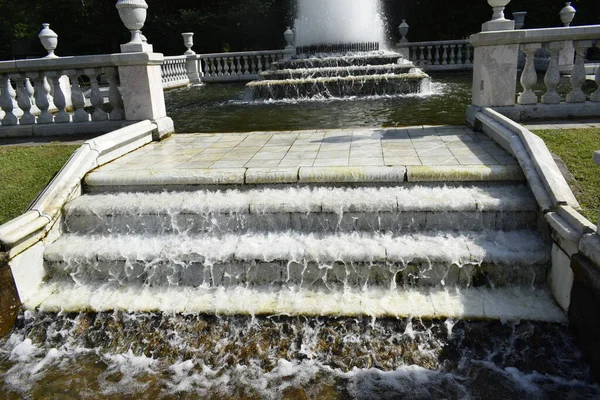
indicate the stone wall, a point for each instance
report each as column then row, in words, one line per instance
column 9, row 298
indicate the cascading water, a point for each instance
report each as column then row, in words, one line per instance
column 338, row 54
column 339, row 21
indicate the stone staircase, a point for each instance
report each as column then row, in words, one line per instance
column 433, row 251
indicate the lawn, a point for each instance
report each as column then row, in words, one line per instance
column 576, row 148
column 24, row 172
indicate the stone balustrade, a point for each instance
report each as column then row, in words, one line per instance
column 496, row 63
column 76, row 95
column 174, row 72
column 446, row 55
column 217, row 67
column 240, row 66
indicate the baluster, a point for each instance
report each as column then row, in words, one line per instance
column 219, row 67
column 414, row 58
column 96, row 97
column 576, row 95
column 253, row 66
column 421, row 55
column 7, row 102
column 596, row 95
column 429, row 55
column 259, row 65
column 468, row 56
column 49, row 89
column 24, row 102
column 31, row 92
column 77, row 97
column 226, row 67
column 452, row 54
column 59, row 98
column 246, row 66
column 436, row 57
column 459, row 55
column 445, row 55
column 206, row 67
column 238, row 66
column 529, row 75
column 42, row 91
column 552, row 77
column 114, row 95
column 267, row 62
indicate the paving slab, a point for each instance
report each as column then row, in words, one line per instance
column 342, row 155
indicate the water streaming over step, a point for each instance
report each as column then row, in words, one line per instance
column 327, row 291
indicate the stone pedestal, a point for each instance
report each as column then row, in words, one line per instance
column 193, row 71
column 141, row 86
column 494, row 75
column 141, row 47
column 498, row 25
column 566, row 57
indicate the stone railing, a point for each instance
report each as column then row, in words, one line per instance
column 241, row 66
column 447, row 55
column 174, row 72
column 496, row 63
column 78, row 95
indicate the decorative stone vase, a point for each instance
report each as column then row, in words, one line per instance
column 567, row 14
column 498, row 6
column 133, row 13
column 403, row 29
column 289, row 37
column 188, row 42
column 519, row 19
column 49, row 40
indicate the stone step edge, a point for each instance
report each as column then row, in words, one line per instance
column 474, row 249
column 307, row 175
column 510, row 304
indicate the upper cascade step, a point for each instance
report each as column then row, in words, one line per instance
column 372, row 58
column 344, row 71
column 306, row 209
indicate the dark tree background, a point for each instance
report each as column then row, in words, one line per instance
column 94, row 27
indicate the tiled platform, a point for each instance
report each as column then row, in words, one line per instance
column 433, row 146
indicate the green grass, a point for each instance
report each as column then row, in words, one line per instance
column 24, row 172
column 576, row 148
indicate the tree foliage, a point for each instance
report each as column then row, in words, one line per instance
column 93, row 26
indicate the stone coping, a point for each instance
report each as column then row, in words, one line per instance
column 544, row 35
column 80, row 62
column 26, row 230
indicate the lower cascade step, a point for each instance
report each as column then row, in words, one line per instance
column 477, row 303
column 307, row 260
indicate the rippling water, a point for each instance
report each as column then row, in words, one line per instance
column 222, row 108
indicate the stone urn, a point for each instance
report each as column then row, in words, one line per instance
column 188, row 42
column 519, row 19
column 403, row 29
column 567, row 14
column 289, row 37
column 49, row 40
column 498, row 6
column 133, row 13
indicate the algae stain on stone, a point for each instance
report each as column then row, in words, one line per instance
column 9, row 300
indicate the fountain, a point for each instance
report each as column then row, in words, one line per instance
column 338, row 47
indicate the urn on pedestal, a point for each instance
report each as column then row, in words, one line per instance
column 188, row 42
column 133, row 13
column 403, row 29
column 498, row 22
column 567, row 14
column 49, row 40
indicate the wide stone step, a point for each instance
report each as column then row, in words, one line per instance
column 511, row 304
column 341, row 61
column 306, row 209
column 291, row 259
column 360, row 70
column 367, row 85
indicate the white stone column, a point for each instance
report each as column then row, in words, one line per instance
column 495, row 75
column 141, row 86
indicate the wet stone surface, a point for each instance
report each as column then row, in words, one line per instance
column 9, row 300
column 120, row 355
